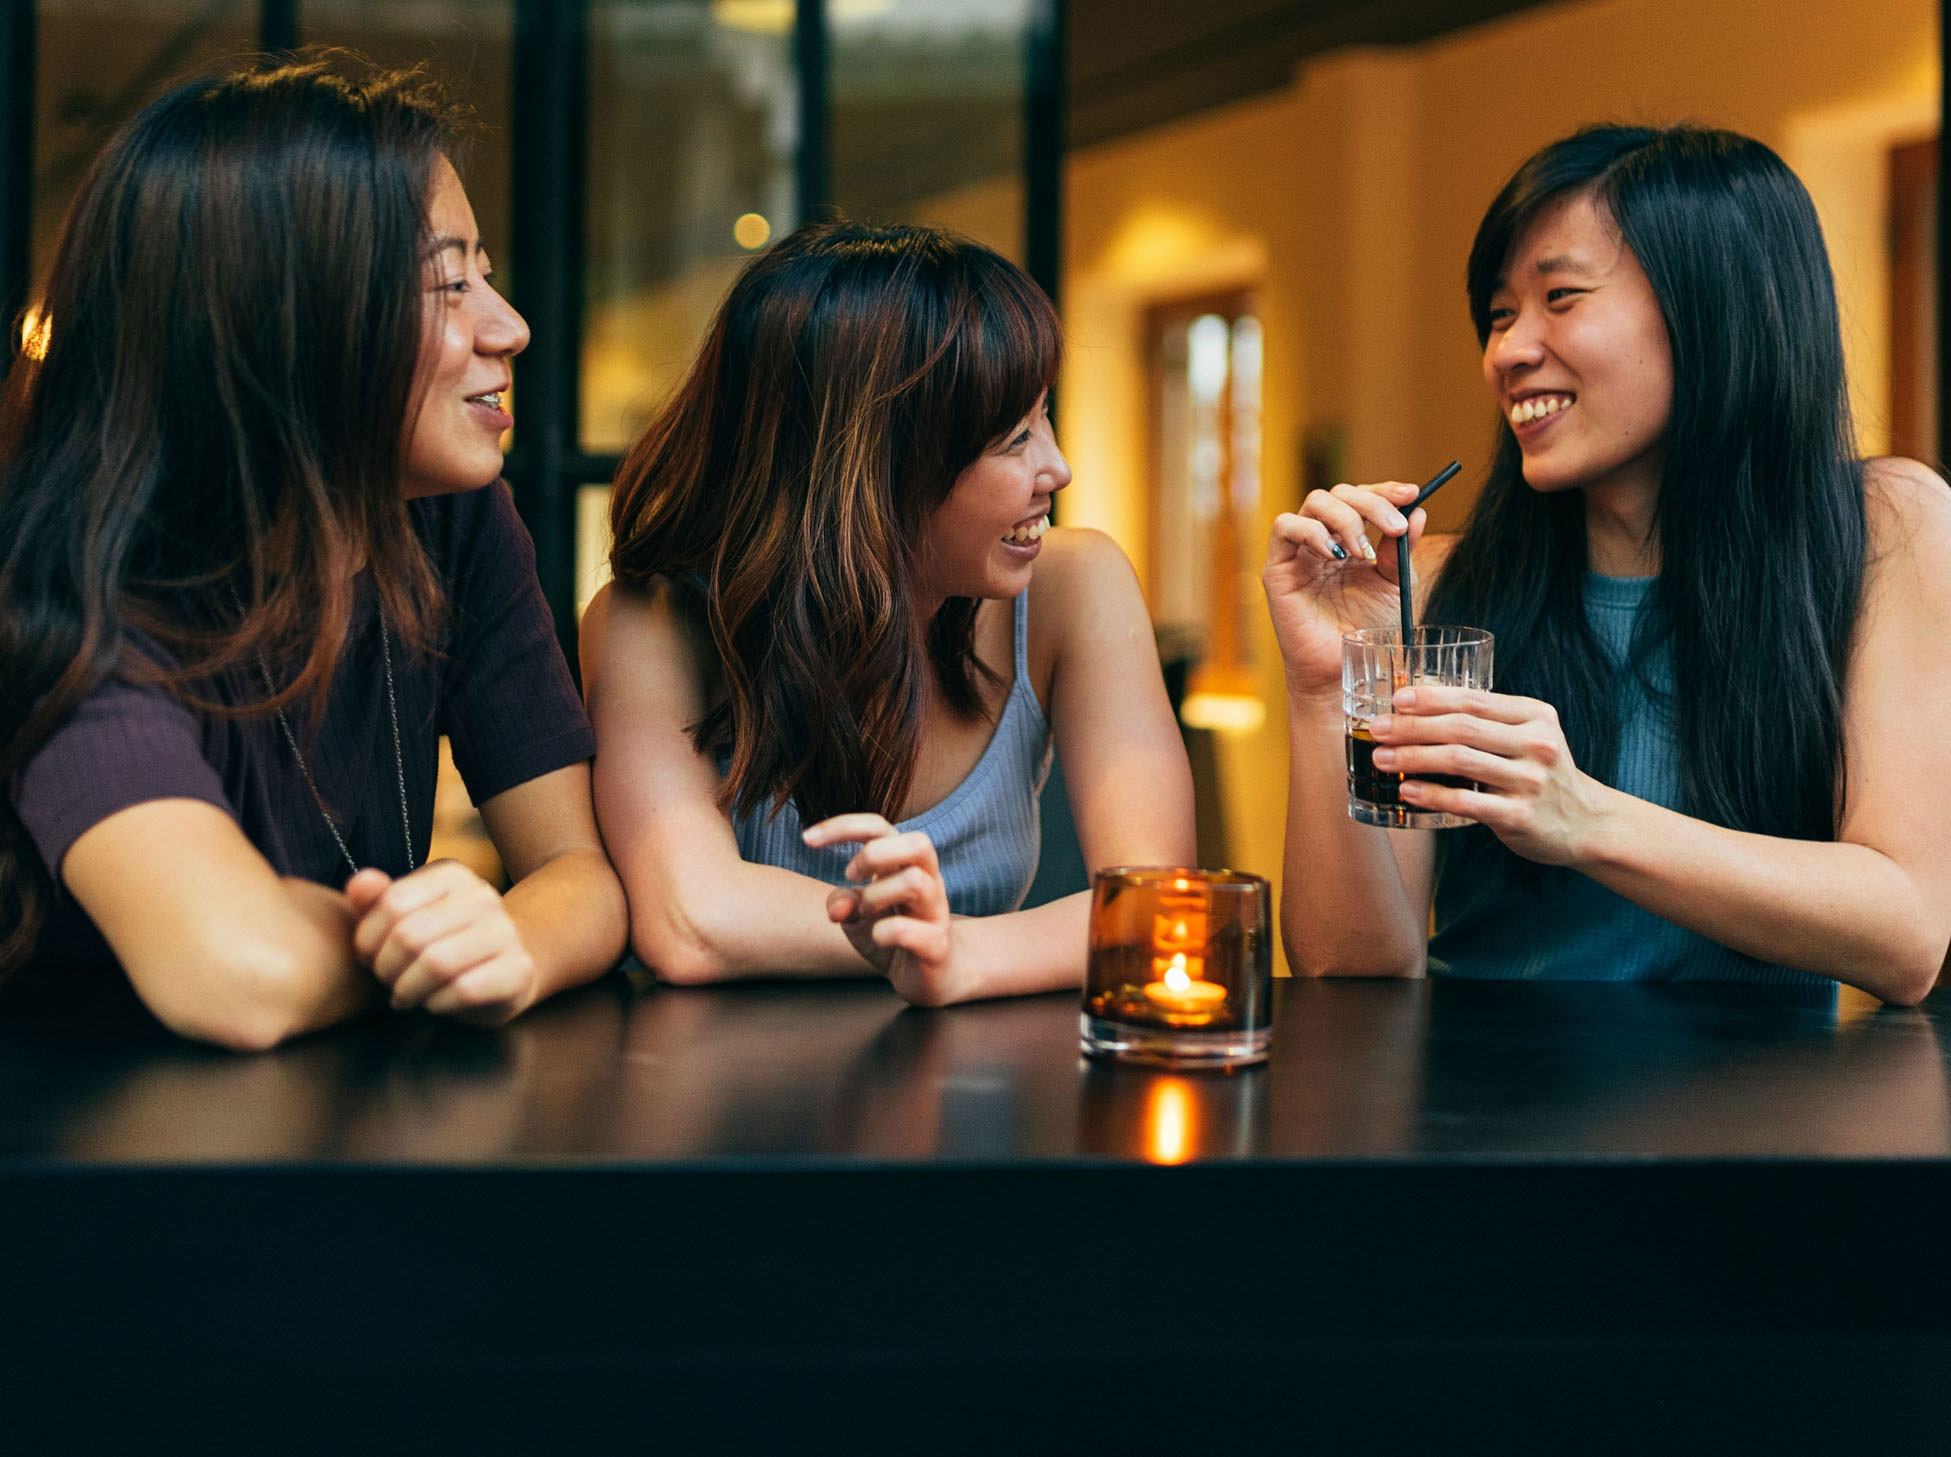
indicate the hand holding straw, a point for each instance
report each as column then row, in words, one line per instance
column 1405, row 587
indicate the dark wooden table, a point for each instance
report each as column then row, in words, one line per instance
column 1575, row 1216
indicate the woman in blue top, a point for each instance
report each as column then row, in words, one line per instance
column 840, row 639
column 1719, row 744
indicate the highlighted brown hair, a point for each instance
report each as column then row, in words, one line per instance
column 850, row 376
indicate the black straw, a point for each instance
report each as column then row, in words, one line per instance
column 1405, row 587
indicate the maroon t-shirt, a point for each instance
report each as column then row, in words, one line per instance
column 497, row 687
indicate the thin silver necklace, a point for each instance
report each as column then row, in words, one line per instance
column 399, row 758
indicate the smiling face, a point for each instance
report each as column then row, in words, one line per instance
column 1578, row 356
column 468, row 336
column 982, row 539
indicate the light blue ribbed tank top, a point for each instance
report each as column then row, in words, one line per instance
column 987, row 833
column 1570, row 927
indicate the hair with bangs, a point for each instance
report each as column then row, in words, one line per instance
column 203, row 443
column 1760, row 518
column 852, row 374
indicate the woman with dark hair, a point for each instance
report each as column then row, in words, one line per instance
column 254, row 561
column 1719, row 744
column 825, row 681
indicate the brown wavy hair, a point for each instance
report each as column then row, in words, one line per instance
column 852, row 374
column 207, row 442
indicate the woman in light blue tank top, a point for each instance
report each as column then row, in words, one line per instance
column 842, row 640
column 1719, row 745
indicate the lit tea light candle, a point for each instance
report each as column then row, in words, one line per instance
column 1178, row 973
column 1180, row 989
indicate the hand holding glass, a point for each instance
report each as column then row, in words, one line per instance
column 1375, row 663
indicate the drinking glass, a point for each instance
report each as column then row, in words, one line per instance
column 1375, row 662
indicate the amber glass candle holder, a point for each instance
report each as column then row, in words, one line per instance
column 1180, row 972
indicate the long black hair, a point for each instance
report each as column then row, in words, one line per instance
column 203, row 441
column 1760, row 518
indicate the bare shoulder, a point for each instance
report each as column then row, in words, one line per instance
column 1906, row 494
column 1909, row 510
column 1079, row 572
column 1084, row 597
column 1075, row 559
column 637, row 635
column 634, row 614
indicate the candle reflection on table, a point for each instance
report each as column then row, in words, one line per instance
column 1167, row 1119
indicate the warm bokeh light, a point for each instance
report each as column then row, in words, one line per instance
column 751, row 230
column 764, row 17
column 1168, row 1121
column 775, row 17
column 35, row 328
column 1234, row 713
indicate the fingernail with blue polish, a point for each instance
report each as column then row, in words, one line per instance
column 1341, row 552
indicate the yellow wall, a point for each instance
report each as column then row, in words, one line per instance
column 1348, row 201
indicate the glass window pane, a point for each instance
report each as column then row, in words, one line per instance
column 927, row 118
column 97, row 63
column 592, row 542
column 693, row 136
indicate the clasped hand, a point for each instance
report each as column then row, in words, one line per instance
column 441, row 939
column 1530, row 795
column 896, row 914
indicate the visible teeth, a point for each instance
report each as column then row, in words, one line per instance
column 492, row 399
column 1538, row 407
column 1024, row 535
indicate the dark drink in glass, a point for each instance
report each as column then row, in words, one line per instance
column 1375, row 663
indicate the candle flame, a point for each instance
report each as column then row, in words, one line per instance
column 1175, row 974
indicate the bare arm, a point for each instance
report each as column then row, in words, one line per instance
column 1124, row 763
column 1872, row 908
column 1354, row 899
column 444, row 940
column 698, row 911
column 701, row 913
column 217, row 944
column 565, row 898
column 223, row 949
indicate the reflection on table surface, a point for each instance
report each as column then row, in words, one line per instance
column 782, row 1071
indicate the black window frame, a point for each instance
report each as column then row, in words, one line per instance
column 549, row 120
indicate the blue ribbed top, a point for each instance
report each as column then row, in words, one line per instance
column 987, row 832
column 1570, row 927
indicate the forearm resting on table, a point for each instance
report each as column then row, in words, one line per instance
column 729, row 922
column 1831, row 908
column 572, row 918
column 1344, row 907
column 262, row 980
column 216, row 943
column 1038, row 950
